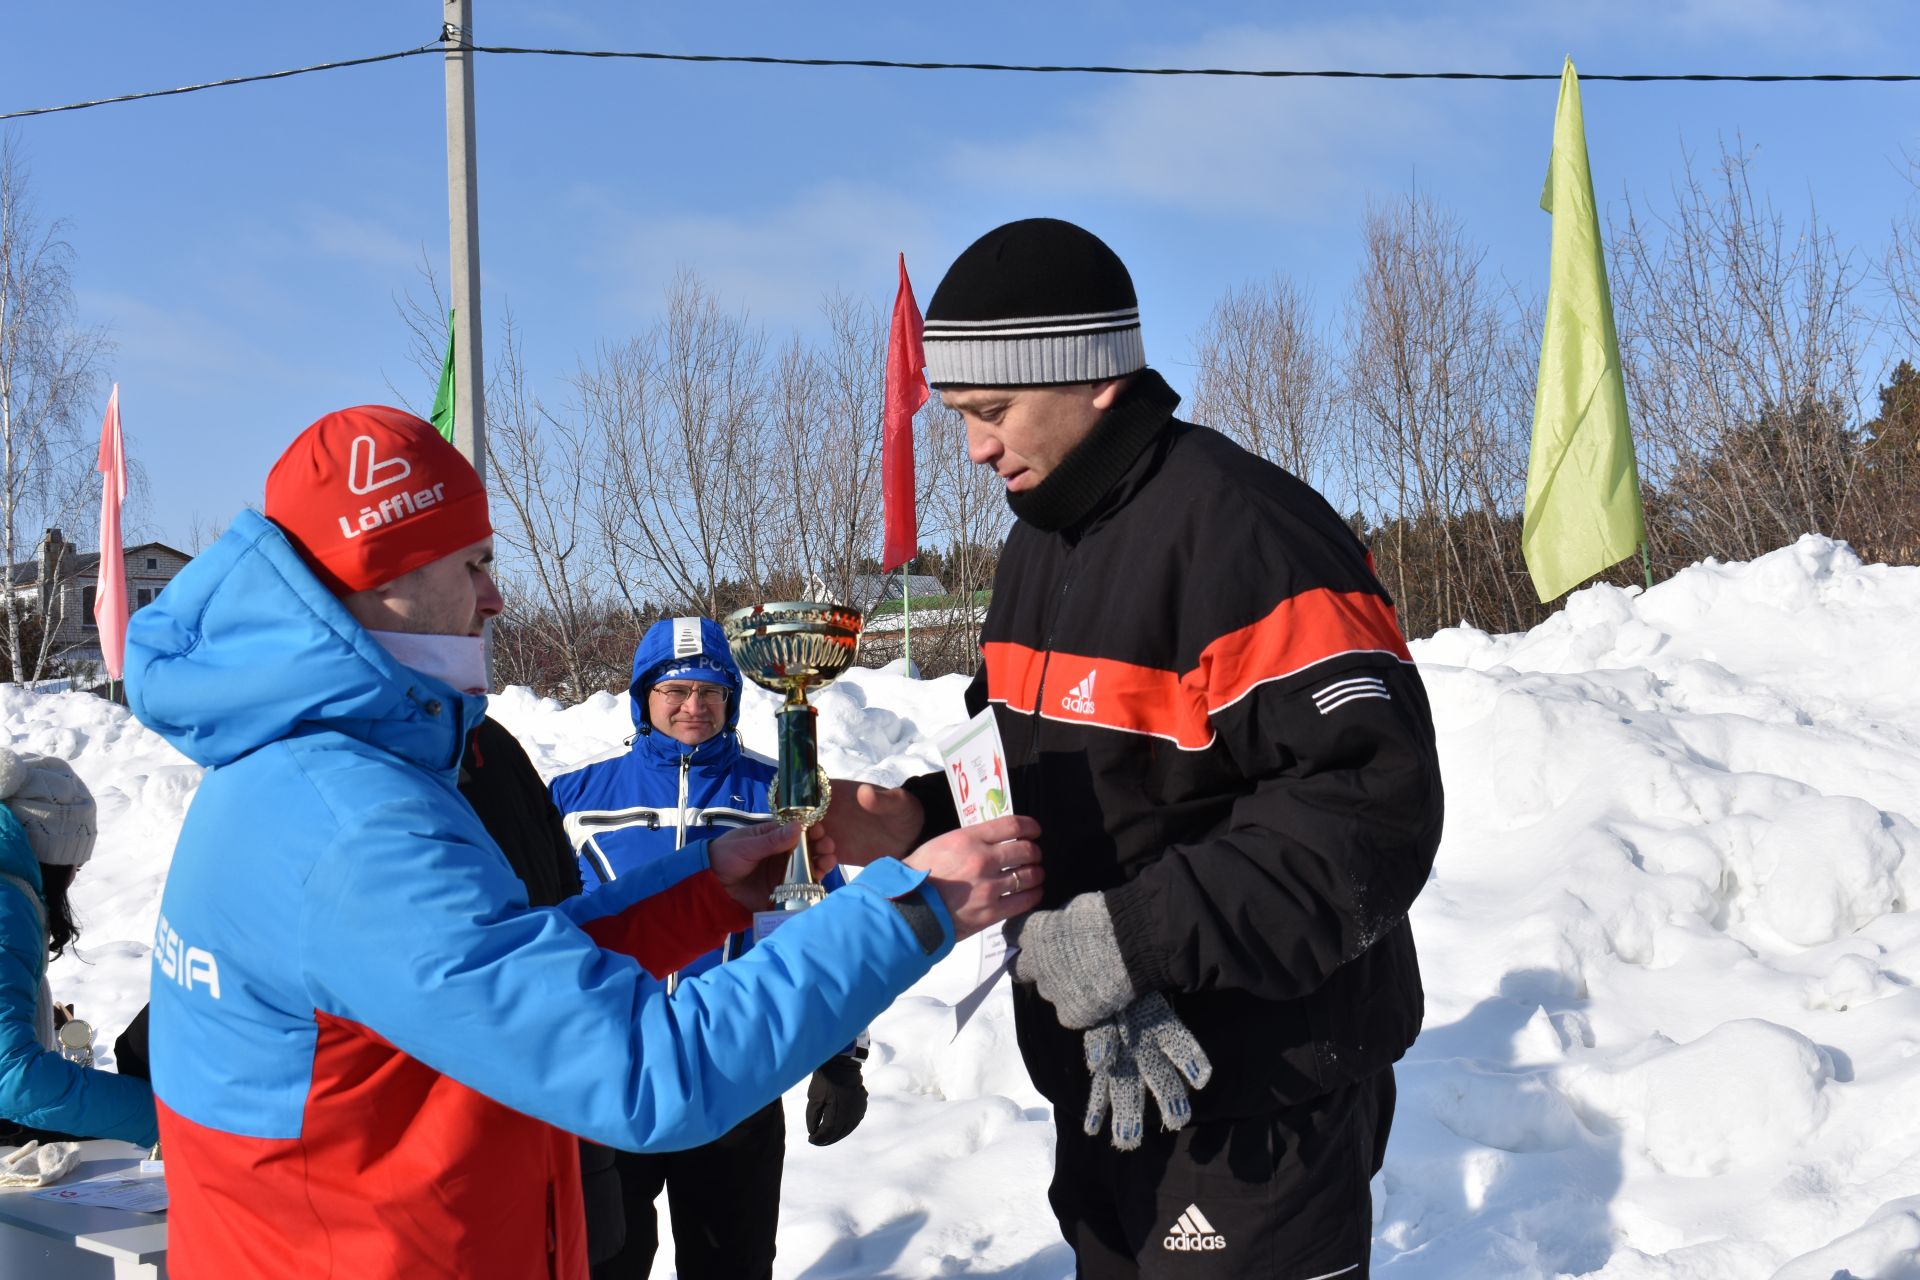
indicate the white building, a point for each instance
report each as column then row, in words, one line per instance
column 59, row 585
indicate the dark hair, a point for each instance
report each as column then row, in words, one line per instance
column 62, row 930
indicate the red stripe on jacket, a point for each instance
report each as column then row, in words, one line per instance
column 399, row 1172
column 672, row 928
column 1302, row 631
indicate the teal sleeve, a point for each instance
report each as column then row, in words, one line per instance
column 39, row 1088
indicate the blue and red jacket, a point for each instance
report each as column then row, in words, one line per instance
column 624, row 812
column 368, row 1050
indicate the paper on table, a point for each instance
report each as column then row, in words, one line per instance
column 140, row 1195
column 976, row 768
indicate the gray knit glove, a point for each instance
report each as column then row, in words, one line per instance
column 1147, row 1044
column 1071, row 956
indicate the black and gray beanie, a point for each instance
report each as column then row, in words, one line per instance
column 1038, row 302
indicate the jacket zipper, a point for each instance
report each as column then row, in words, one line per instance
column 1046, row 658
column 680, row 842
column 680, row 820
column 553, row 1234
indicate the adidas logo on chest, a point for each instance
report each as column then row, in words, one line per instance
column 1080, row 697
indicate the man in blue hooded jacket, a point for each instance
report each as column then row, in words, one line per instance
column 370, row 1052
column 686, row 777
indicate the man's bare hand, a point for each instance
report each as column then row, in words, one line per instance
column 985, row 873
column 749, row 861
column 866, row 821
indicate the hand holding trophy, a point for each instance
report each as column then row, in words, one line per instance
column 789, row 647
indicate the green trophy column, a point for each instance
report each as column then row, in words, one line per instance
column 796, row 787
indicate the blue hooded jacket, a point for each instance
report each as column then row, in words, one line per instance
column 332, row 888
column 39, row 1088
column 624, row 812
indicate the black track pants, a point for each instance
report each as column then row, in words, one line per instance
column 1282, row 1196
column 725, row 1198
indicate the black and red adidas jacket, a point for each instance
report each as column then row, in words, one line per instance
column 1206, row 702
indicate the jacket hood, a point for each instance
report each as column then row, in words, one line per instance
column 245, row 647
column 682, row 638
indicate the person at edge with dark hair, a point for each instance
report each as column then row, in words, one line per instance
column 46, row 836
column 1207, row 703
column 684, row 777
column 370, row 1052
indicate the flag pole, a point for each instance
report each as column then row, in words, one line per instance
column 906, row 619
column 463, row 204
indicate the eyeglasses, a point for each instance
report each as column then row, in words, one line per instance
column 675, row 694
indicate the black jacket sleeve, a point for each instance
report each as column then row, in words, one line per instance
column 1322, row 855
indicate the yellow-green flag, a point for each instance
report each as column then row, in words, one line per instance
column 442, row 415
column 1583, row 489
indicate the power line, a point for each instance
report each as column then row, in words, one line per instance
column 440, row 46
column 1171, row 71
column 221, row 84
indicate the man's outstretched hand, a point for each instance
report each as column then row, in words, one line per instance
column 866, row 821
column 985, row 873
column 750, row 861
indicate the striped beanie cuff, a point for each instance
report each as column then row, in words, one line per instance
column 1033, row 354
column 1033, row 303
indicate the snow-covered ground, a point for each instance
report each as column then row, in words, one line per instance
column 1671, row 1024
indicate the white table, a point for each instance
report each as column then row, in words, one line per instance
column 47, row 1240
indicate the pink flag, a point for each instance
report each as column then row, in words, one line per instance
column 906, row 391
column 110, row 597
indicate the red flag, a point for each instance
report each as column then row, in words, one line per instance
column 906, row 392
column 110, row 596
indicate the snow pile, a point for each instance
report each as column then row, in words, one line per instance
column 1671, row 1025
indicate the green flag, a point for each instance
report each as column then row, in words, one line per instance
column 442, row 415
column 1583, row 489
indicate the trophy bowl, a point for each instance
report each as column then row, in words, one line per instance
column 789, row 647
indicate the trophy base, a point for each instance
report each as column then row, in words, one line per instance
column 790, row 900
column 798, row 897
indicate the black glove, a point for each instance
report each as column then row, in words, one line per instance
column 836, row 1100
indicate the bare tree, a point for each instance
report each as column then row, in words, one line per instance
column 47, row 387
column 1266, row 379
column 679, row 411
column 963, row 517
column 1742, row 347
column 1900, row 271
column 835, row 449
column 556, row 636
column 1431, row 435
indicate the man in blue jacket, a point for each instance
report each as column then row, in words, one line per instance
column 686, row 777
column 370, row 1052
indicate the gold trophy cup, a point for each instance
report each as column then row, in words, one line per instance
column 789, row 647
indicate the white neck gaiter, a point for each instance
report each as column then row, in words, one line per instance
column 460, row 661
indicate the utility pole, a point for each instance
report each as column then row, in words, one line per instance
column 463, row 207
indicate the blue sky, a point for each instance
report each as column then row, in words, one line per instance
column 245, row 246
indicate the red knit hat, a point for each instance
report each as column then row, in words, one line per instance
column 368, row 494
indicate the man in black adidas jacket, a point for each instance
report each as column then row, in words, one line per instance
column 1206, row 702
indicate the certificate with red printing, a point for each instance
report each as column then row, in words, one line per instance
column 976, row 766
